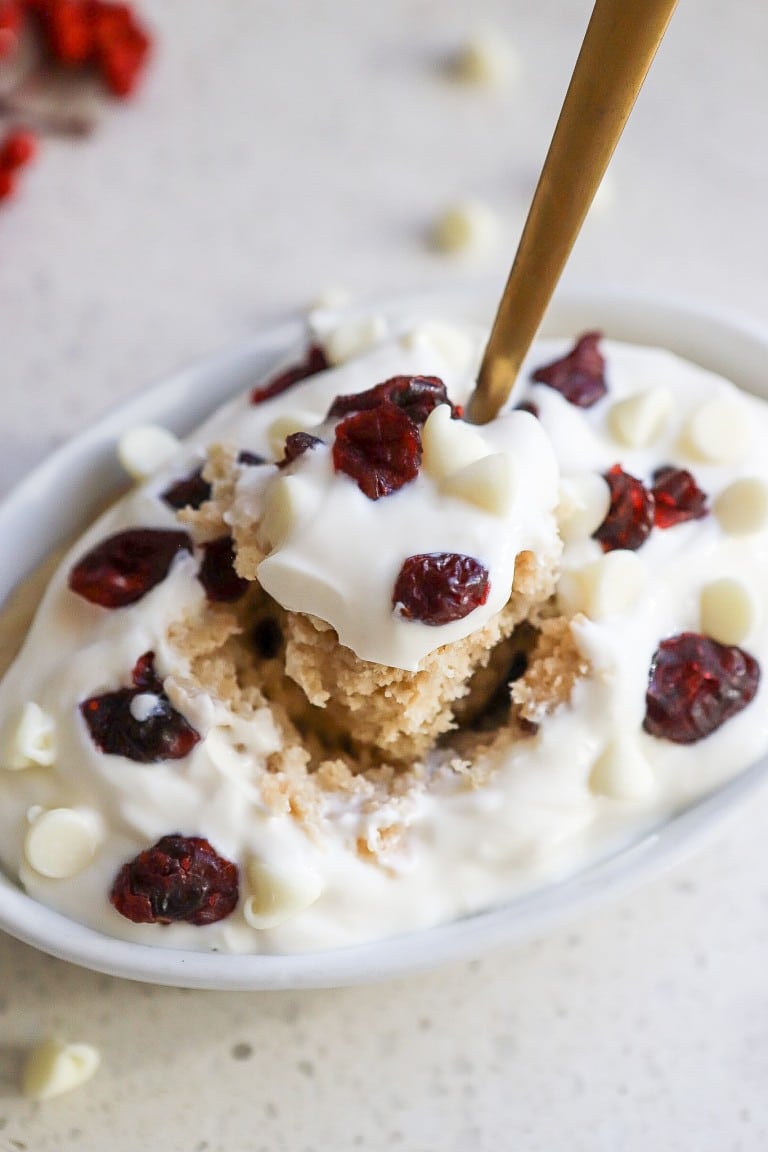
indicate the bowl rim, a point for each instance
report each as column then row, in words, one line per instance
column 85, row 467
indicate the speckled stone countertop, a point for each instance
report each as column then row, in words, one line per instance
column 275, row 150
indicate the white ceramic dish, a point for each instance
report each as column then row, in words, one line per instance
column 64, row 493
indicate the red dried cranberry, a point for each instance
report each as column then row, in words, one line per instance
column 695, row 685
column 416, row 395
column 181, row 878
column 580, row 376
column 380, row 450
column 189, row 492
column 630, row 513
column 315, row 362
column 124, row 567
column 250, row 459
column 439, row 587
column 163, row 734
column 296, row 445
column 678, row 497
column 217, row 572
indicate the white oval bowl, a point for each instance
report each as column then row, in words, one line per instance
column 65, row 492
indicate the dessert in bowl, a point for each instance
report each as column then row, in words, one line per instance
column 356, row 709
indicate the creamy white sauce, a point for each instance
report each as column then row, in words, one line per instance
column 538, row 817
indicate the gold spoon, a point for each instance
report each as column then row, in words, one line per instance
column 619, row 45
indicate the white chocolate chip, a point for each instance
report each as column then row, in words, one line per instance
column 719, row 431
column 489, row 483
column 742, row 507
column 332, row 298
column 55, row 1067
column 622, row 772
column 33, row 742
column 145, row 450
column 278, row 893
column 286, row 425
column 467, row 227
column 486, row 59
column 450, row 343
column 605, row 197
column 728, row 610
column 60, row 843
column 607, row 586
column 142, row 706
column 584, row 503
column 449, row 445
column 286, row 500
column 353, row 338
column 640, row 419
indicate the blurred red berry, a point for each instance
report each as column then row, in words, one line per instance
column 7, row 184
column 18, row 148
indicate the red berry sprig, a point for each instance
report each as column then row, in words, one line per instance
column 95, row 36
column 99, row 33
column 16, row 151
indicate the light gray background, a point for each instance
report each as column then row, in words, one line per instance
column 275, row 149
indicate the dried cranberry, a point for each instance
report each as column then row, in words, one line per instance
column 217, row 572
column 439, row 587
column 580, row 376
column 124, row 567
column 181, row 878
column 296, row 445
column 380, row 450
column 695, row 685
column 189, row 492
column 630, row 513
column 678, row 497
column 250, row 459
column 163, row 734
column 315, row 362
column 416, row 395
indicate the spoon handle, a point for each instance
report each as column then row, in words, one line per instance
column 619, row 45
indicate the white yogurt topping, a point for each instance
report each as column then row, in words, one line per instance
column 71, row 816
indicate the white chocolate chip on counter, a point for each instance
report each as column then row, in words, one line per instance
column 61, row 842
column 467, row 227
column 286, row 500
column 278, row 893
column 584, row 502
column 607, row 586
column 451, row 343
column 622, row 772
column 728, row 611
column 640, row 419
column 145, row 450
column 331, row 298
column 486, row 59
column 354, row 337
column 33, row 742
column 605, row 197
column 286, row 425
column 742, row 507
column 55, row 1067
column 489, row 483
column 718, row 431
column 449, row 445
